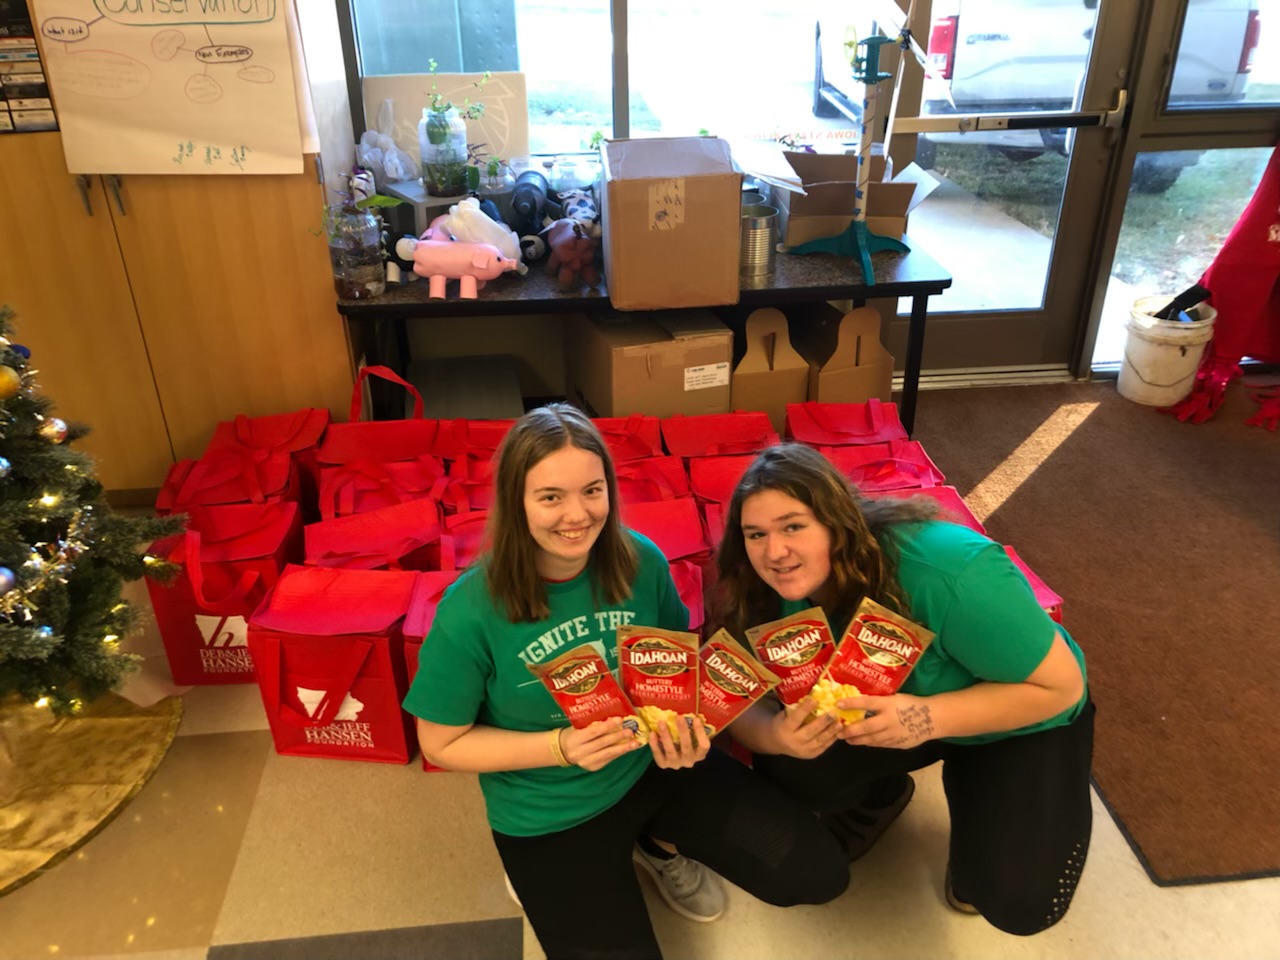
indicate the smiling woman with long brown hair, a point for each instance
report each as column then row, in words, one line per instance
column 572, row 810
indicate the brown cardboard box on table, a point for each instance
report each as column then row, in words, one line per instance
column 672, row 212
column 847, row 362
column 825, row 209
column 674, row 361
column 771, row 373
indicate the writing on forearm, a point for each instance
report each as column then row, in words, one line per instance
column 917, row 722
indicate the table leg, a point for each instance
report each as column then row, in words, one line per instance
column 911, row 370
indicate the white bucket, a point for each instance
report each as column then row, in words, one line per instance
column 1161, row 356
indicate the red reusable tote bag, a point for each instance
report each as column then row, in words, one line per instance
column 229, row 475
column 379, row 441
column 653, row 478
column 631, row 438
column 718, row 434
column 951, row 505
column 471, row 438
column 713, row 480
column 675, row 526
column 297, row 434
column 841, row 424
column 462, row 538
column 230, row 556
column 395, row 537
column 469, row 484
column 328, row 653
column 885, row 466
column 364, row 485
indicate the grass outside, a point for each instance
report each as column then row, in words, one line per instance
column 1167, row 240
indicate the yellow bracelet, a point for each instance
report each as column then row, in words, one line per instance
column 556, row 750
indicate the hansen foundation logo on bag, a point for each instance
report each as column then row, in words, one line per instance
column 224, row 644
column 344, row 730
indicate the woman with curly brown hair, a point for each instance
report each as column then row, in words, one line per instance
column 999, row 696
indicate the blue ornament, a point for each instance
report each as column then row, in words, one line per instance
column 45, row 632
column 7, row 580
column 19, row 348
column 5, row 467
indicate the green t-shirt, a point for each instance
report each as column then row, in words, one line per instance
column 472, row 670
column 988, row 625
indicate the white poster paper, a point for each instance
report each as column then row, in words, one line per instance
column 172, row 86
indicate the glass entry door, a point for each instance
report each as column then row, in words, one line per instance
column 1018, row 120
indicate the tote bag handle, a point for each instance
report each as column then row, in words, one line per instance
column 386, row 373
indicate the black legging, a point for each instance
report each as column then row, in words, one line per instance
column 1021, row 815
column 579, row 888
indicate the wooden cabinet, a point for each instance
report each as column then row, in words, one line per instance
column 182, row 301
column 62, row 273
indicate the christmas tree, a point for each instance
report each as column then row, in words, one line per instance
column 63, row 553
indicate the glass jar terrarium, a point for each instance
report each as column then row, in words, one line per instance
column 442, row 141
column 355, row 251
column 498, row 184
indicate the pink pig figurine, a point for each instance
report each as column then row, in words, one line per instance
column 443, row 260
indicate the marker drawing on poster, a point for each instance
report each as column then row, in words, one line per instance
column 172, row 86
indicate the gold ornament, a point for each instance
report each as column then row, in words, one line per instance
column 10, row 382
column 53, row 430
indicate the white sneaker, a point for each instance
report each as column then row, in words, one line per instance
column 689, row 888
column 511, row 891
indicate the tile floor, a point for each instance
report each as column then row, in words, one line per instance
column 234, row 853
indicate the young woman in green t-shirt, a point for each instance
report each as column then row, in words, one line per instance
column 570, row 808
column 999, row 696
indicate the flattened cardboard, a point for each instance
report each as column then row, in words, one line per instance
column 658, row 364
column 847, row 362
column 671, row 222
column 771, row 373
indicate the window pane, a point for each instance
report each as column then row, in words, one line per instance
column 566, row 53
column 1169, row 237
column 1229, row 55
column 564, row 48
column 741, row 69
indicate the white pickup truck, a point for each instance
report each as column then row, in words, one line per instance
column 1010, row 56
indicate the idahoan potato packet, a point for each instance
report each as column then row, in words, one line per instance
column 878, row 650
column 797, row 649
column 659, row 671
column 581, row 682
column 730, row 680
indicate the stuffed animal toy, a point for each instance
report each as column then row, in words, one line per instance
column 580, row 205
column 573, row 254
column 466, row 221
column 399, row 269
column 529, row 203
column 442, row 260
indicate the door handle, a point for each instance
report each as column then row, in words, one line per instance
column 113, row 184
column 969, row 122
column 82, row 183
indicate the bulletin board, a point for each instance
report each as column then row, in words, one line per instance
column 172, row 86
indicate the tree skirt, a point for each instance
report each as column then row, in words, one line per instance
column 63, row 780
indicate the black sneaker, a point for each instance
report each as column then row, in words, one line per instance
column 858, row 828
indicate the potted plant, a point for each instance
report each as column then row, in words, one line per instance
column 442, row 140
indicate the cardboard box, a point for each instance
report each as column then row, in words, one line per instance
column 771, row 373
column 825, row 209
column 847, row 362
column 671, row 217
column 660, row 364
